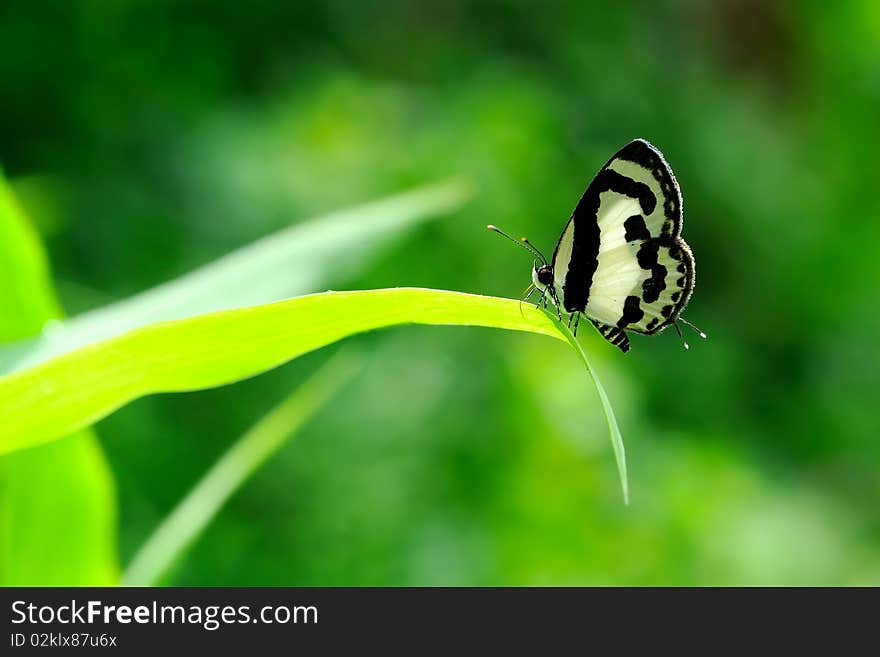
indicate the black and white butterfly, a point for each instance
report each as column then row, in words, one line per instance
column 621, row 260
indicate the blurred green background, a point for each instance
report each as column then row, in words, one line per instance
column 147, row 138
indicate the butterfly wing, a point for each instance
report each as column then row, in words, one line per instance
column 621, row 260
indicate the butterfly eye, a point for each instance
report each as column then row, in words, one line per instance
column 545, row 275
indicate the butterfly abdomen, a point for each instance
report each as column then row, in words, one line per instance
column 614, row 335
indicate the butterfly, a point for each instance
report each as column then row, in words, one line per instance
column 621, row 261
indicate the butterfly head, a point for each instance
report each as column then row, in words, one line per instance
column 542, row 275
column 542, row 270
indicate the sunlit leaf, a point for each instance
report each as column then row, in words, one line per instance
column 57, row 501
column 83, row 386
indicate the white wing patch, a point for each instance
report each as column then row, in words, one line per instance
column 563, row 255
column 658, row 222
column 644, row 285
column 615, row 279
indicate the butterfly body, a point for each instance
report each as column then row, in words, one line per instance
column 621, row 261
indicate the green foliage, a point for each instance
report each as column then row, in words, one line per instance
column 40, row 513
column 258, row 444
column 57, row 501
column 468, row 456
column 83, row 386
column 79, row 387
column 292, row 261
column 616, row 438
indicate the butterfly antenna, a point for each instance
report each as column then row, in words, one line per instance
column 698, row 331
column 525, row 295
column 680, row 336
column 524, row 243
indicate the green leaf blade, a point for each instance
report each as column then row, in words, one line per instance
column 58, row 500
column 83, row 386
column 211, row 350
column 610, row 418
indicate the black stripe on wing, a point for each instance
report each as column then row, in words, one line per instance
column 587, row 238
column 665, row 293
column 649, row 157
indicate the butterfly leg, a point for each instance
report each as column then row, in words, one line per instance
column 577, row 321
column 556, row 304
column 525, row 296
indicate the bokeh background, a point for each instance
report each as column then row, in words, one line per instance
column 147, row 138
